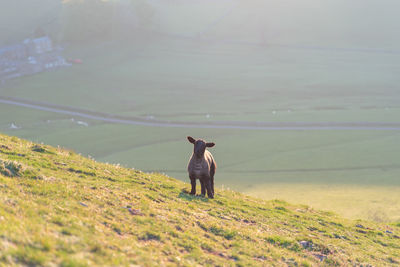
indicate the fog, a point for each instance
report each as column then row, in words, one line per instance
column 355, row 24
column 294, row 93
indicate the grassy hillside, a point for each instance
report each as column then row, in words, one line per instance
column 364, row 164
column 230, row 61
column 231, row 82
column 57, row 207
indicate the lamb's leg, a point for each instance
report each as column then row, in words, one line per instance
column 212, row 184
column 193, row 182
column 212, row 173
column 203, row 187
column 210, row 193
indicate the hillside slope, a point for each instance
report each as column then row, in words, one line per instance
column 57, row 207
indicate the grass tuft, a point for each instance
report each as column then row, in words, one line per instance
column 10, row 168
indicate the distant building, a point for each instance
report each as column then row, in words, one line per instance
column 29, row 57
column 41, row 45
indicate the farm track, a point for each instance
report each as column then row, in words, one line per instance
column 132, row 120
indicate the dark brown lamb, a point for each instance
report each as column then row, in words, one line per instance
column 202, row 166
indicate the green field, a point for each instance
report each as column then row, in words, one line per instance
column 174, row 79
column 218, row 78
column 58, row 208
column 153, row 81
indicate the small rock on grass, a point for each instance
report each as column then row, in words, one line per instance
column 134, row 211
column 321, row 257
column 305, row 244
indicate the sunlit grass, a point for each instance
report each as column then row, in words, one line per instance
column 372, row 202
column 246, row 159
column 231, row 82
column 68, row 210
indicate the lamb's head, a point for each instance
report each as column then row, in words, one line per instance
column 199, row 146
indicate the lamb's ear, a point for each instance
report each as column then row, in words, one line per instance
column 191, row 139
column 210, row 144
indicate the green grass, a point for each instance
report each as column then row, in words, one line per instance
column 184, row 80
column 376, row 203
column 313, row 168
column 65, row 209
column 144, row 78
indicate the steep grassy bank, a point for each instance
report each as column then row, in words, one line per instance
column 57, row 207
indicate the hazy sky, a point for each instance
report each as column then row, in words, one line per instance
column 356, row 23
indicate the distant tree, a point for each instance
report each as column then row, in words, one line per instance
column 20, row 19
column 39, row 32
column 145, row 13
column 85, row 20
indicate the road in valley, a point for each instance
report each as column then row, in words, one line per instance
column 111, row 118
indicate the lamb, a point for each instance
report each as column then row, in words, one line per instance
column 202, row 166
